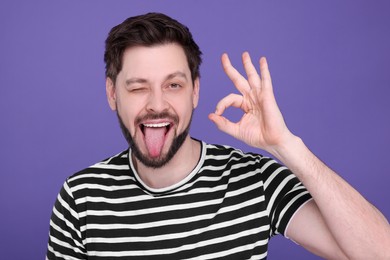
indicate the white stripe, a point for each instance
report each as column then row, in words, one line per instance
column 267, row 164
column 65, row 204
column 273, row 176
column 149, row 210
column 289, row 205
column 101, row 187
column 69, row 224
column 65, row 233
column 59, row 255
column 101, row 176
column 277, row 192
column 225, row 171
column 66, row 245
column 110, row 166
column 235, row 250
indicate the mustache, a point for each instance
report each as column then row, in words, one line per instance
column 154, row 116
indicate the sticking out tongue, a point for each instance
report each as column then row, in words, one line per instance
column 154, row 138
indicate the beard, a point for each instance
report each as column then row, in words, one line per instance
column 163, row 159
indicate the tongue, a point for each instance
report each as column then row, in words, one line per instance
column 154, row 138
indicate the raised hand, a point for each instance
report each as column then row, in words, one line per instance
column 262, row 124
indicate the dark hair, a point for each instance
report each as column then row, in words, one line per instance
column 148, row 30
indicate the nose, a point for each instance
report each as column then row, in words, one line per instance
column 156, row 101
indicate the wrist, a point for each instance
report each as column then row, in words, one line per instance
column 295, row 155
column 290, row 147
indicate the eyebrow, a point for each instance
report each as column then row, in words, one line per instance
column 135, row 80
column 168, row 77
column 176, row 74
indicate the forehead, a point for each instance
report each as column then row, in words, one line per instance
column 154, row 61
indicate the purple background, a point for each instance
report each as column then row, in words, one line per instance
column 330, row 68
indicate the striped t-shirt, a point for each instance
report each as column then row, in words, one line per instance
column 228, row 207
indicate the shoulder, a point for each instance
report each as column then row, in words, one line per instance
column 109, row 168
column 222, row 154
column 235, row 160
column 225, row 151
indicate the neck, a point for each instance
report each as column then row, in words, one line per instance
column 178, row 168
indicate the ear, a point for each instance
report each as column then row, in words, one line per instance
column 195, row 96
column 111, row 94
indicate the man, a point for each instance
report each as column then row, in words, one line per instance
column 170, row 196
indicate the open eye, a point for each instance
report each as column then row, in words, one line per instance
column 174, row 85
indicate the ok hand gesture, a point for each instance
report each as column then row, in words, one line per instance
column 262, row 124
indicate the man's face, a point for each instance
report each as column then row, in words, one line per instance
column 154, row 97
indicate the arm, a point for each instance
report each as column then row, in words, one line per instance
column 342, row 216
column 360, row 230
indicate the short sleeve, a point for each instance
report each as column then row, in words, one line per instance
column 65, row 241
column 284, row 194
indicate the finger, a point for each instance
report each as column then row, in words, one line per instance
column 233, row 100
column 224, row 124
column 253, row 77
column 266, row 80
column 265, row 74
column 238, row 80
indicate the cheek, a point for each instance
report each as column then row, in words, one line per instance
column 185, row 110
column 128, row 115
